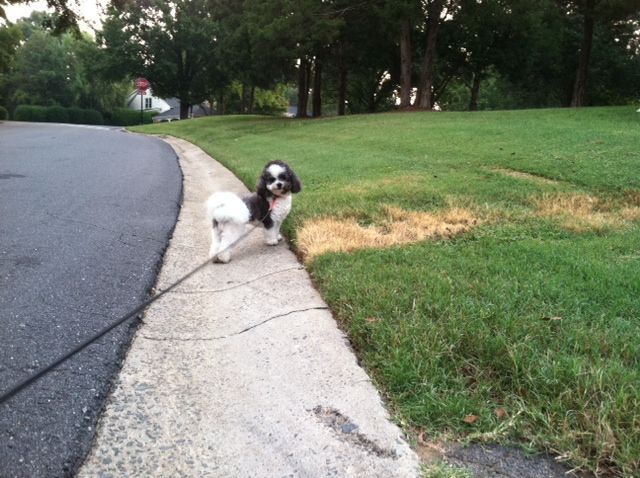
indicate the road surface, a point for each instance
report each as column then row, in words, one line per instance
column 85, row 217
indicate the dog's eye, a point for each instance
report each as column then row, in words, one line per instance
column 271, row 180
column 282, row 177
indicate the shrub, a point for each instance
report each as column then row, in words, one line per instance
column 92, row 117
column 128, row 117
column 4, row 114
column 76, row 115
column 30, row 113
column 56, row 114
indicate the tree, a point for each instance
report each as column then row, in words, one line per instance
column 63, row 20
column 172, row 43
column 10, row 38
column 299, row 33
column 614, row 68
column 474, row 41
column 43, row 73
column 434, row 11
column 252, row 49
column 593, row 12
column 48, row 69
column 534, row 59
column 415, row 18
column 93, row 87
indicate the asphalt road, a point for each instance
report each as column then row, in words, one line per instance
column 85, row 216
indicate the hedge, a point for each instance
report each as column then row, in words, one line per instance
column 57, row 114
column 4, row 114
column 127, row 117
column 30, row 113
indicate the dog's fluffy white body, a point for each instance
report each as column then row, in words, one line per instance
column 228, row 214
column 227, row 207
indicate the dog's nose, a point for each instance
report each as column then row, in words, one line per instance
column 279, row 185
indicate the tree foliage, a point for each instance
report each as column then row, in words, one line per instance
column 342, row 55
column 173, row 44
column 42, row 68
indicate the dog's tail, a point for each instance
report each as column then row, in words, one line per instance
column 225, row 207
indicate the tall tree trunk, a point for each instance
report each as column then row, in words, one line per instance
column 580, row 85
column 342, row 81
column 405, row 64
column 425, row 98
column 252, row 97
column 184, row 109
column 371, row 100
column 221, row 105
column 303, row 87
column 243, row 101
column 342, row 90
column 317, row 89
column 438, row 90
column 475, row 92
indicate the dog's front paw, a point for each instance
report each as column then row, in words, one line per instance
column 271, row 242
column 279, row 237
column 223, row 257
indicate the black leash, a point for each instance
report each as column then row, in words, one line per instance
column 29, row 380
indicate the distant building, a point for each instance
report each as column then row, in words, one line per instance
column 148, row 102
column 168, row 109
column 173, row 113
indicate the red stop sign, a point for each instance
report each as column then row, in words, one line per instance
column 142, row 84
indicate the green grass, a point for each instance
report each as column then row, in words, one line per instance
column 519, row 313
column 442, row 470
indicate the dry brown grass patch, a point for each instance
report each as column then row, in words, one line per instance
column 522, row 175
column 632, row 198
column 583, row 212
column 399, row 226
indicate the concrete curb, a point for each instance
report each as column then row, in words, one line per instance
column 242, row 370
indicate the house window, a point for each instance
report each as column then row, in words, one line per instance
column 147, row 103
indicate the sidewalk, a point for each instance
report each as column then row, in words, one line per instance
column 242, row 371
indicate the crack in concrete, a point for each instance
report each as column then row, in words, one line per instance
column 206, row 339
column 346, row 430
column 203, row 291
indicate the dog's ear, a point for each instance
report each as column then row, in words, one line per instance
column 296, row 185
column 261, row 186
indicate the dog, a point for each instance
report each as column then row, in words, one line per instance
column 269, row 206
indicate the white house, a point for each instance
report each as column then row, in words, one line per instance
column 149, row 102
column 168, row 109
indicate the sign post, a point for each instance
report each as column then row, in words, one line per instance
column 142, row 85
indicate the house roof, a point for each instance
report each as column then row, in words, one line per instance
column 174, row 113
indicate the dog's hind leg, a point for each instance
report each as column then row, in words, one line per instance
column 215, row 240
column 228, row 236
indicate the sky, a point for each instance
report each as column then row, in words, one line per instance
column 89, row 10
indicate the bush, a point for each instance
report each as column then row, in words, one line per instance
column 30, row 113
column 128, row 117
column 4, row 114
column 76, row 115
column 56, row 114
column 92, row 117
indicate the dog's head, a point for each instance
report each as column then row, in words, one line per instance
column 278, row 179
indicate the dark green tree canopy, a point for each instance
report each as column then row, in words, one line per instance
column 348, row 55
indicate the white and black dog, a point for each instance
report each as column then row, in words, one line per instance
column 270, row 205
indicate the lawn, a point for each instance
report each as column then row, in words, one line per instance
column 486, row 266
